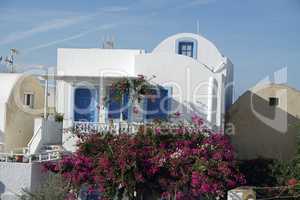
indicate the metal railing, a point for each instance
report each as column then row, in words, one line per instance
column 95, row 127
column 34, row 141
column 126, row 127
column 25, row 158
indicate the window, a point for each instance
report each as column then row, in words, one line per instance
column 85, row 104
column 28, row 99
column 158, row 104
column 116, row 108
column 273, row 101
column 186, row 48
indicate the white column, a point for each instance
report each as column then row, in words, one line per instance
column 210, row 99
column 46, row 99
column 102, row 106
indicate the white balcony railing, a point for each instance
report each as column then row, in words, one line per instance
column 25, row 158
column 125, row 127
column 95, row 127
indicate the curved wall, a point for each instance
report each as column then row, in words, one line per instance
column 19, row 120
column 207, row 52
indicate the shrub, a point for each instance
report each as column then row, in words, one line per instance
column 54, row 187
column 182, row 163
column 259, row 172
column 59, row 117
column 274, row 179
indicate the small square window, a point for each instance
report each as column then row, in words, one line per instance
column 273, row 101
column 186, row 48
column 28, row 99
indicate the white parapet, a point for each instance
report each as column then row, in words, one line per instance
column 14, row 177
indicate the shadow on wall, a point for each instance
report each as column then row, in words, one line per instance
column 1, row 141
column 188, row 110
column 253, row 137
column 2, row 188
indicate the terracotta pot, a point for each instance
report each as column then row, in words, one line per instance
column 19, row 158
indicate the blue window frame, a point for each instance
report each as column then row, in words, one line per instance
column 186, row 48
column 158, row 106
column 116, row 107
column 126, row 106
column 85, row 104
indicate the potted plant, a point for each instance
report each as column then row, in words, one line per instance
column 59, row 117
column 19, row 158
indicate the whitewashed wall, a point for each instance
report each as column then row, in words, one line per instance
column 17, row 176
column 2, row 124
column 188, row 77
column 52, row 132
column 92, row 62
column 207, row 52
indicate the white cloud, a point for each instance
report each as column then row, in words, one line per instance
column 51, row 25
column 103, row 27
column 57, row 24
column 194, row 3
column 200, row 2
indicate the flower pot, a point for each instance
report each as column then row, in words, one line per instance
column 19, row 158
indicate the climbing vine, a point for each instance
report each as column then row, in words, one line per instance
column 136, row 87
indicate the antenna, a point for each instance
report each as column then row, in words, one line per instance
column 9, row 60
column 198, row 27
column 108, row 42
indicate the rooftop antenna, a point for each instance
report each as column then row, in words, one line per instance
column 198, row 27
column 9, row 60
column 108, row 42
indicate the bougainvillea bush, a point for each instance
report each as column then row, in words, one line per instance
column 186, row 162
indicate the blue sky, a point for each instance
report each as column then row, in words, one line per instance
column 259, row 36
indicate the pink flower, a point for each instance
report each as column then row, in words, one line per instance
column 217, row 156
column 196, row 120
column 292, row 182
column 135, row 110
column 177, row 114
column 205, row 188
column 182, row 161
column 71, row 196
column 195, row 179
column 231, row 183
column 157, row 130
column 179, row 196
column 104, row 162
column 140, row 76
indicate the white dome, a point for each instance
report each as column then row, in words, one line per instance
column 207, row 52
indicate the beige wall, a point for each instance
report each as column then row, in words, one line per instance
column 261, row 130
column 20, row 119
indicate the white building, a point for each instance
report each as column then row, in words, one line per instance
column 193, row 74
column 192, row 78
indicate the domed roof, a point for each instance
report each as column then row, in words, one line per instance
column 207, row 52
column 7, row 83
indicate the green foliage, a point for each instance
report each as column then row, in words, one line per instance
column 274, row 179
column 259, row 172
column 286, row 170
column 137, row 87
column 53, row 188
column 59, row 117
